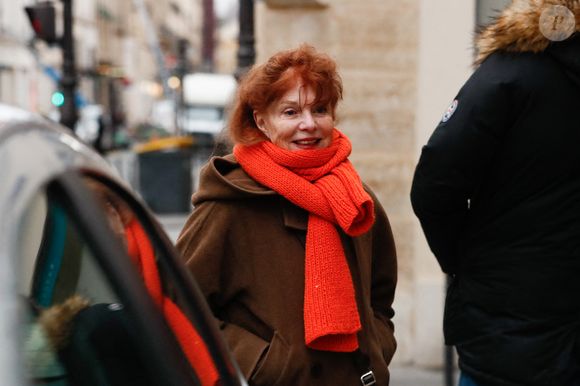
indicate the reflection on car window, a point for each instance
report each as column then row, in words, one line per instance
column 169, row 298
column 77, row 329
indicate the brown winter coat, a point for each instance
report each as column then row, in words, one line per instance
column 244, row 244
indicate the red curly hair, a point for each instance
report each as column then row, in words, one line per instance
column 266, row 83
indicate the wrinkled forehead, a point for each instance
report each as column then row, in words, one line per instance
column 299, row 93
column 297, row 86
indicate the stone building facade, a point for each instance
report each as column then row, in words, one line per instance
column 402, row 63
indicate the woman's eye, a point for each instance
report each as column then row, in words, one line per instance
column 321, row 110
column 289, row 112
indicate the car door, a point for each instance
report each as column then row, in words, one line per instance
column 106, row 300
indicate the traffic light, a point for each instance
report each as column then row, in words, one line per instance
column 42, row 18
column 57, row 98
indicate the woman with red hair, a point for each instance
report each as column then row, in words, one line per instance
column 293, row 253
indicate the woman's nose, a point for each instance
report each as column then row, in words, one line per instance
column 307, row 122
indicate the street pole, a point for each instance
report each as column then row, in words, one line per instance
column 181, row 69
column 246, row 50
column 68, row 81
column 208, row 36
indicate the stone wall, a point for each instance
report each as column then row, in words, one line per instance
column 445, row 56
column 375, row 45
column 401, row 62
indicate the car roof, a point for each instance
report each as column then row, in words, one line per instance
column 11, row 114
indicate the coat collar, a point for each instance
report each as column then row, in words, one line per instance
column 294, row 216
column 222, row 178
column 517, row 28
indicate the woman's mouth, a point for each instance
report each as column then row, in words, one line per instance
column 307, row 143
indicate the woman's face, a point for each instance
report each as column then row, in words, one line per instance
column 294, row 123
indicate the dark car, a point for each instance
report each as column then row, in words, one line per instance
column 92, row 291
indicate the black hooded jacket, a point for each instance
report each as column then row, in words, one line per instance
column 497, row 192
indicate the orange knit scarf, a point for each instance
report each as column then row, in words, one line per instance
column 323, row 182
column 141, row 252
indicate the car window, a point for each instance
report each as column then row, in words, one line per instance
column 170, row 286
column 105, row 302
column 81, row 324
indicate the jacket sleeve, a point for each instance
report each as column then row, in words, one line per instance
column 456, row 157
column 204, row 247
column 383, row 280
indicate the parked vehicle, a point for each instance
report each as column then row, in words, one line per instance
column 91, row 289
column 206, row 97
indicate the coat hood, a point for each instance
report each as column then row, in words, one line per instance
column 529, row 26
column 222, row 178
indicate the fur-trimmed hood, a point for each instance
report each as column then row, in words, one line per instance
column 517, row 28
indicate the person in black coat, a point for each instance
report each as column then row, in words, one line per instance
column 497, row 192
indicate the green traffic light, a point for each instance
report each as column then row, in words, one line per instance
column 57, row 99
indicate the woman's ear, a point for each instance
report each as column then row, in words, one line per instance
column 260, row 122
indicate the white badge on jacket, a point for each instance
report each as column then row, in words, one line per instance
column 450, row 110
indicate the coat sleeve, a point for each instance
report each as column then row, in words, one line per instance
column 458, row 154
column 204, row 247
column 383, row 280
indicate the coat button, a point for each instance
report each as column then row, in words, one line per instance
column 316, row 370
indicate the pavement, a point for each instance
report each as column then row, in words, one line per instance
column 400, row 375
column 414, row 376
column 172, row 223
